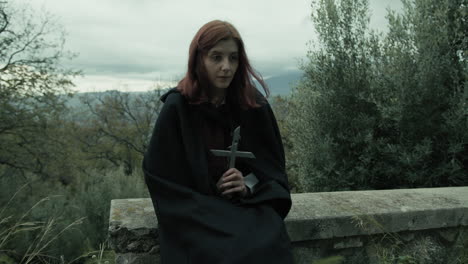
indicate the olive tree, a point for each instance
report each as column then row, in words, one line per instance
column 382, row 111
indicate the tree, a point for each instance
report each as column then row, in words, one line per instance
column 378, row 111
column 422, row 78
column 32, row 85
column 331, row 117
column 118, row 127
column 279, row 104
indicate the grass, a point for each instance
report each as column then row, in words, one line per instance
column 42, row 233
column 101, row 256
column 389, row 248
column 330, row 260
column 23, row 218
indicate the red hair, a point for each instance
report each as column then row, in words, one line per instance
column 195, row 85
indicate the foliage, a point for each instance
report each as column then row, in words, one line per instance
column 375, row 111
column 31, row 79
column 83, row 157
column 116, row 127
column 280, row 108
column 391, row 248
column 87, row 199
column 330, row 260
column 39, row 234
column 93, row 195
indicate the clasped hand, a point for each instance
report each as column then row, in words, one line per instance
column 232, row 183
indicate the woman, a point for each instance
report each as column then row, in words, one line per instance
column 208, row 212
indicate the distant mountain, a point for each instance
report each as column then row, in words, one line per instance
column 282, row 84
column 74, row 101
column 278, row 85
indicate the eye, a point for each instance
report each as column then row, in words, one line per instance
column 216, row 57
column 234, row 57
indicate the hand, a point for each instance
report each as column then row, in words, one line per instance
column 231, row 183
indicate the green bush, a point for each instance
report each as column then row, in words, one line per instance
column 378, row 111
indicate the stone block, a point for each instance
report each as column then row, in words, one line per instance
column 344, row 214
column 133, row 226
column 359, row 226
column 350, row 242
column 448, row 235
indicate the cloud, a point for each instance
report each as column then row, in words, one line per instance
column 95, row 83
column 148, row 38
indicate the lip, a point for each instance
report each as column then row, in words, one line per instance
column 224, row 79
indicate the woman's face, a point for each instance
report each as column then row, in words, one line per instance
column 221, row 63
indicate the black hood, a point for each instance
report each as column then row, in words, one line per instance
column 170, row 91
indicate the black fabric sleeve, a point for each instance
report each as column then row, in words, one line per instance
column 262, row 137
column 165, row 149
column 170, row 180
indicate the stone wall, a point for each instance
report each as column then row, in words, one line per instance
column 423, row 225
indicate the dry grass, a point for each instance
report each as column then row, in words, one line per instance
column 44, row 233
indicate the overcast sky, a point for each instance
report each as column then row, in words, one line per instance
column 131, row 45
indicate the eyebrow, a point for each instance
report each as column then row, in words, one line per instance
column 219, row 52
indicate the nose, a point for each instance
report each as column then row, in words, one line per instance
column 226, row 65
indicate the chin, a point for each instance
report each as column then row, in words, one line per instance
column 222, row 86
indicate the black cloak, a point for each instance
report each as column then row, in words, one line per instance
column 196, row 225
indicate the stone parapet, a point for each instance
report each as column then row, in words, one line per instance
column 427, row 225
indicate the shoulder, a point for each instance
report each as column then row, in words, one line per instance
column 172, row 109
column 174, row 102
column 172, row 97
column 263, row 105
column 260, row 99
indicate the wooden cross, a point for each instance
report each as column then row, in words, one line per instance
column 233, row 153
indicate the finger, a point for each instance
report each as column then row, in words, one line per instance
column 236, row 176
column 230, row 171
column 222, row 179
column 232, row 177
column 231, row 185
column 226, row 186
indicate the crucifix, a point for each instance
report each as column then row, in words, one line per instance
column 233, row 153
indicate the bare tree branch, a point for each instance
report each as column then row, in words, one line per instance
column 30, row 82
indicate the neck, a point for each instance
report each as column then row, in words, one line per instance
column 218, row 96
